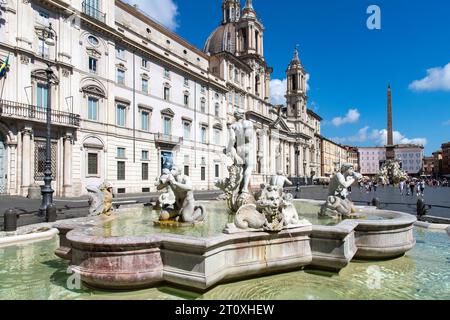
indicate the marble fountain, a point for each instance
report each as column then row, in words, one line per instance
column 199, row 245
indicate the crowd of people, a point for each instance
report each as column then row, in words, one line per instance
column 410, row 187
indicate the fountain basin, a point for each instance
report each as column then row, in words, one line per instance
column 384, row 239
column 108, row 258
column 195, row 263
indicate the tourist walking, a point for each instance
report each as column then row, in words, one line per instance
column 412, row 187
column 422, row 188
column 418, row 188
column 402, row 187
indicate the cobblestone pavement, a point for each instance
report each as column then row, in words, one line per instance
column 390, row 198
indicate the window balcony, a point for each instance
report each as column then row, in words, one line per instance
column 21, row 111
column 93, row 12
column 167, row 140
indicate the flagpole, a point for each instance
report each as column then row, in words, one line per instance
column 6, row 74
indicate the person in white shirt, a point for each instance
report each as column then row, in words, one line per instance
column 402, row 187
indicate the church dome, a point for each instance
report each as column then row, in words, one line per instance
column 222, row 39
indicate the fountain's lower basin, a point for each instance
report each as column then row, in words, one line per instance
column 123, row 262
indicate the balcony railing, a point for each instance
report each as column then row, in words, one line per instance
column 11, row 109
column 168, row 139
column 93, row 12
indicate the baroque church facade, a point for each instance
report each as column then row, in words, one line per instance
column 130, row 97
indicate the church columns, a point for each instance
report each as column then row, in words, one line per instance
column 292, row 161
column 27, row 159
column 261, row 41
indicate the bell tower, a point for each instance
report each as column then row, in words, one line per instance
column 250, row 32
column 296, row 97
column 231, row 11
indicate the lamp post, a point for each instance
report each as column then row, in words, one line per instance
column 48, row 37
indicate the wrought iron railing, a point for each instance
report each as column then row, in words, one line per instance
column 93, row 12
column 11, row 109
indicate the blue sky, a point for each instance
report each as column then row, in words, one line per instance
column 350, row 66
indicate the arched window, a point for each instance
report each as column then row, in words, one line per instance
column 257, row 83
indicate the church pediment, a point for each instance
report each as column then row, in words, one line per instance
column 280, row 124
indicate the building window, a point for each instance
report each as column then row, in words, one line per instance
column 92, row 164
column 120, row 53
column 120, row 170
column 145, row 120
column 120, row 116
column 217, row 110
column 145, row 85
column 167, row 126
column 217, row 134
column 203, row 173
column 217, row 171
column 144, row 171
column 92, row 108
column 41, row 96
column 186, row 100
column 93, row 41
column 93, row 65
column 166, row 93
column 40, row 153
column 43, row 49
column 257, row 83
column 43, row 18
column 203, row 133
column 144, row 155
column 203, row 106
column 145, row 63
column 187, row 130
column 186, row 171
column 167, row 73
column 121, row 153
column 120, row 76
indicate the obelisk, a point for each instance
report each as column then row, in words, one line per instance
column 390, row 148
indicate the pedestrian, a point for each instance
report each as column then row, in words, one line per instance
column 412, row 187
column 375, row 186
column 422, row 188
column 402, row 187
column 418, row 188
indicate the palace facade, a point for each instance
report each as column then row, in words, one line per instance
column 130, row 97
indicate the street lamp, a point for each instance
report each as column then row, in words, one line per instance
column 49, row 38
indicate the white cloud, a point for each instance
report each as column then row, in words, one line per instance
column 278, row 90
column 351, row 117
column 437, row 79
column 361, row 136
column 162, row 11
column 379, row 138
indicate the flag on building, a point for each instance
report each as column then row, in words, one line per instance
column 4, row 68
